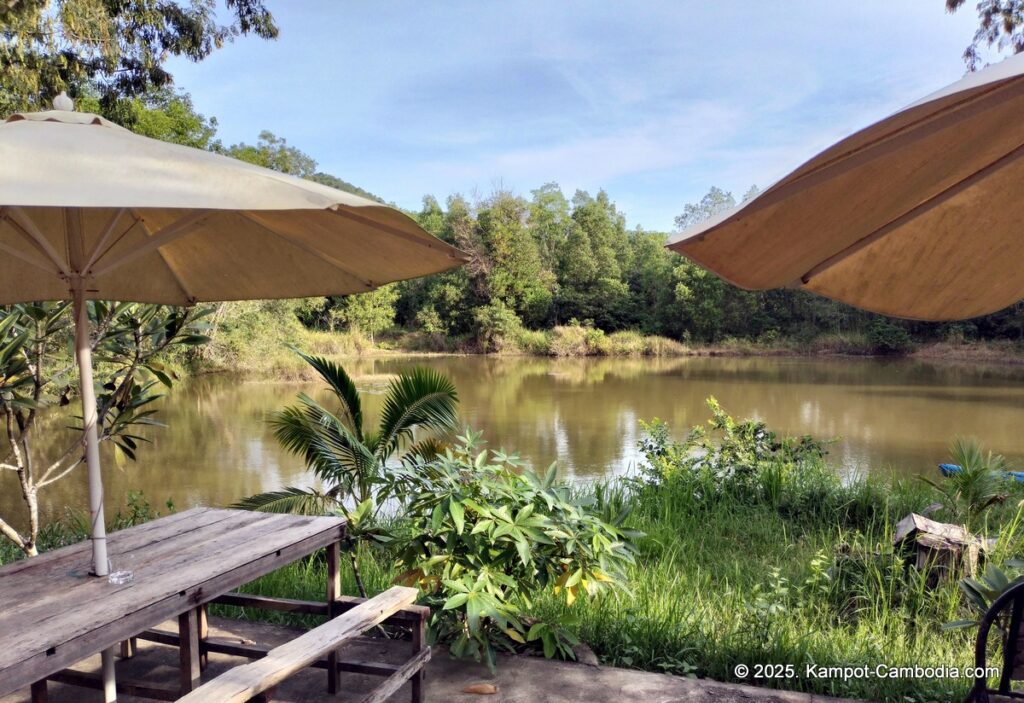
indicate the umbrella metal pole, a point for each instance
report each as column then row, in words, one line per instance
column 100, row 565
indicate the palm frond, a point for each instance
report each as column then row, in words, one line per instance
column 422, row 398
column 297, row 501
column 330, row 448
column 344, row 389
column 428, row 448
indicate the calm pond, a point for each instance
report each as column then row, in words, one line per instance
column 583, row 413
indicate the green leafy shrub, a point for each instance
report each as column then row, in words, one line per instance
column 742, row 458
column 485, row 538
column 888, row 338
column 496, row 327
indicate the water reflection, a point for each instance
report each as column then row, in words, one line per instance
column 582, row 413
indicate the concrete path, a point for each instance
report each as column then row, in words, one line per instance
column 519, row 679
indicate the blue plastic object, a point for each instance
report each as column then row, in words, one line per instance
column 952, row 469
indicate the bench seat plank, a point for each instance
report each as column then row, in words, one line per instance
column 244, row 682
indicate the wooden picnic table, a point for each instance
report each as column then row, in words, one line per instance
column 54, row 614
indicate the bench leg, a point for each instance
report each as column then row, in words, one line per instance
column 419, row 641
column 265, row 697
column 188, row 649
column 39, row 693
column 333, row 594
column 129, row 647
column 204, row 633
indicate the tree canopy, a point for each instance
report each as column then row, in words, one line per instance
column 1000, row 26
column 118, row 49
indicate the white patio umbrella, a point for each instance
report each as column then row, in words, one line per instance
column 918, row 215
column 89, row 210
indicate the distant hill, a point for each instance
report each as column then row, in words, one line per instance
column 335, row 182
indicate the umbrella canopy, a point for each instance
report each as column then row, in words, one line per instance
column 147, row 221
column 89, row 210
column 918, row 215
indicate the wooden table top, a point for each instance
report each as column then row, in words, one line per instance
column 53, row 614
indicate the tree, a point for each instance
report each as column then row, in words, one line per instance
column 129, row 339
column 273, row 152
column 118, row 48
column 515, row 277
column 346, row 456
column 591, row 262
column 164, row 114
column 372, row 312
column 549, row 222
column 1001, row 24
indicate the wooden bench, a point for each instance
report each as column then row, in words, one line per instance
column 249, row 681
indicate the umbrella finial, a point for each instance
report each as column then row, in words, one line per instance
column 63, row 102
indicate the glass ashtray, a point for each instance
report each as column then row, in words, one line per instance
column 119, row 578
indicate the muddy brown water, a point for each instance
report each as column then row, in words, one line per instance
column 885, row 415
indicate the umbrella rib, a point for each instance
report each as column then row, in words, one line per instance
column 17, row 253
column 190, row 299
column 23, row 224
column 101, row 243
column 393, row 231
column 921, row 209
column 176, row 230
column 309, row 249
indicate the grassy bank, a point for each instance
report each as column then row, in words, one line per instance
column 807, row 578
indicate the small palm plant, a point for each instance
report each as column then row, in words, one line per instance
column 980, row 483
column 347, row 457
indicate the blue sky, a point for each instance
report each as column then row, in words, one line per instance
column 653, row 101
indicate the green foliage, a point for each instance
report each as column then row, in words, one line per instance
column 372, row 312
column 980, row 483
column 346, row 456
column 133, row 346
column 119, row 48
column 1001, row 25
column 983, row 591
column 487, row 537
column 888, row 338
column 737, row 459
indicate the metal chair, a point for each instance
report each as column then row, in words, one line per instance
column 1006, row 612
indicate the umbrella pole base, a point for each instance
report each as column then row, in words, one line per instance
column 109, row 684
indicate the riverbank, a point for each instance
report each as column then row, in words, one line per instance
column 271, row 354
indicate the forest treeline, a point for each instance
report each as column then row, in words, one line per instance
column 549, row 273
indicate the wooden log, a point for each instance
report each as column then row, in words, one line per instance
column 242, row 683
column 39, row 692
column 396, row 680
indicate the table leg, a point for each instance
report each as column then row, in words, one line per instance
column 419, row 637
column 188, row 651
column 333, row 594
column 39, row 693
column 204, row 632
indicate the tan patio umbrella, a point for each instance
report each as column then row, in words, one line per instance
column 89, row 210
column 919, row 215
